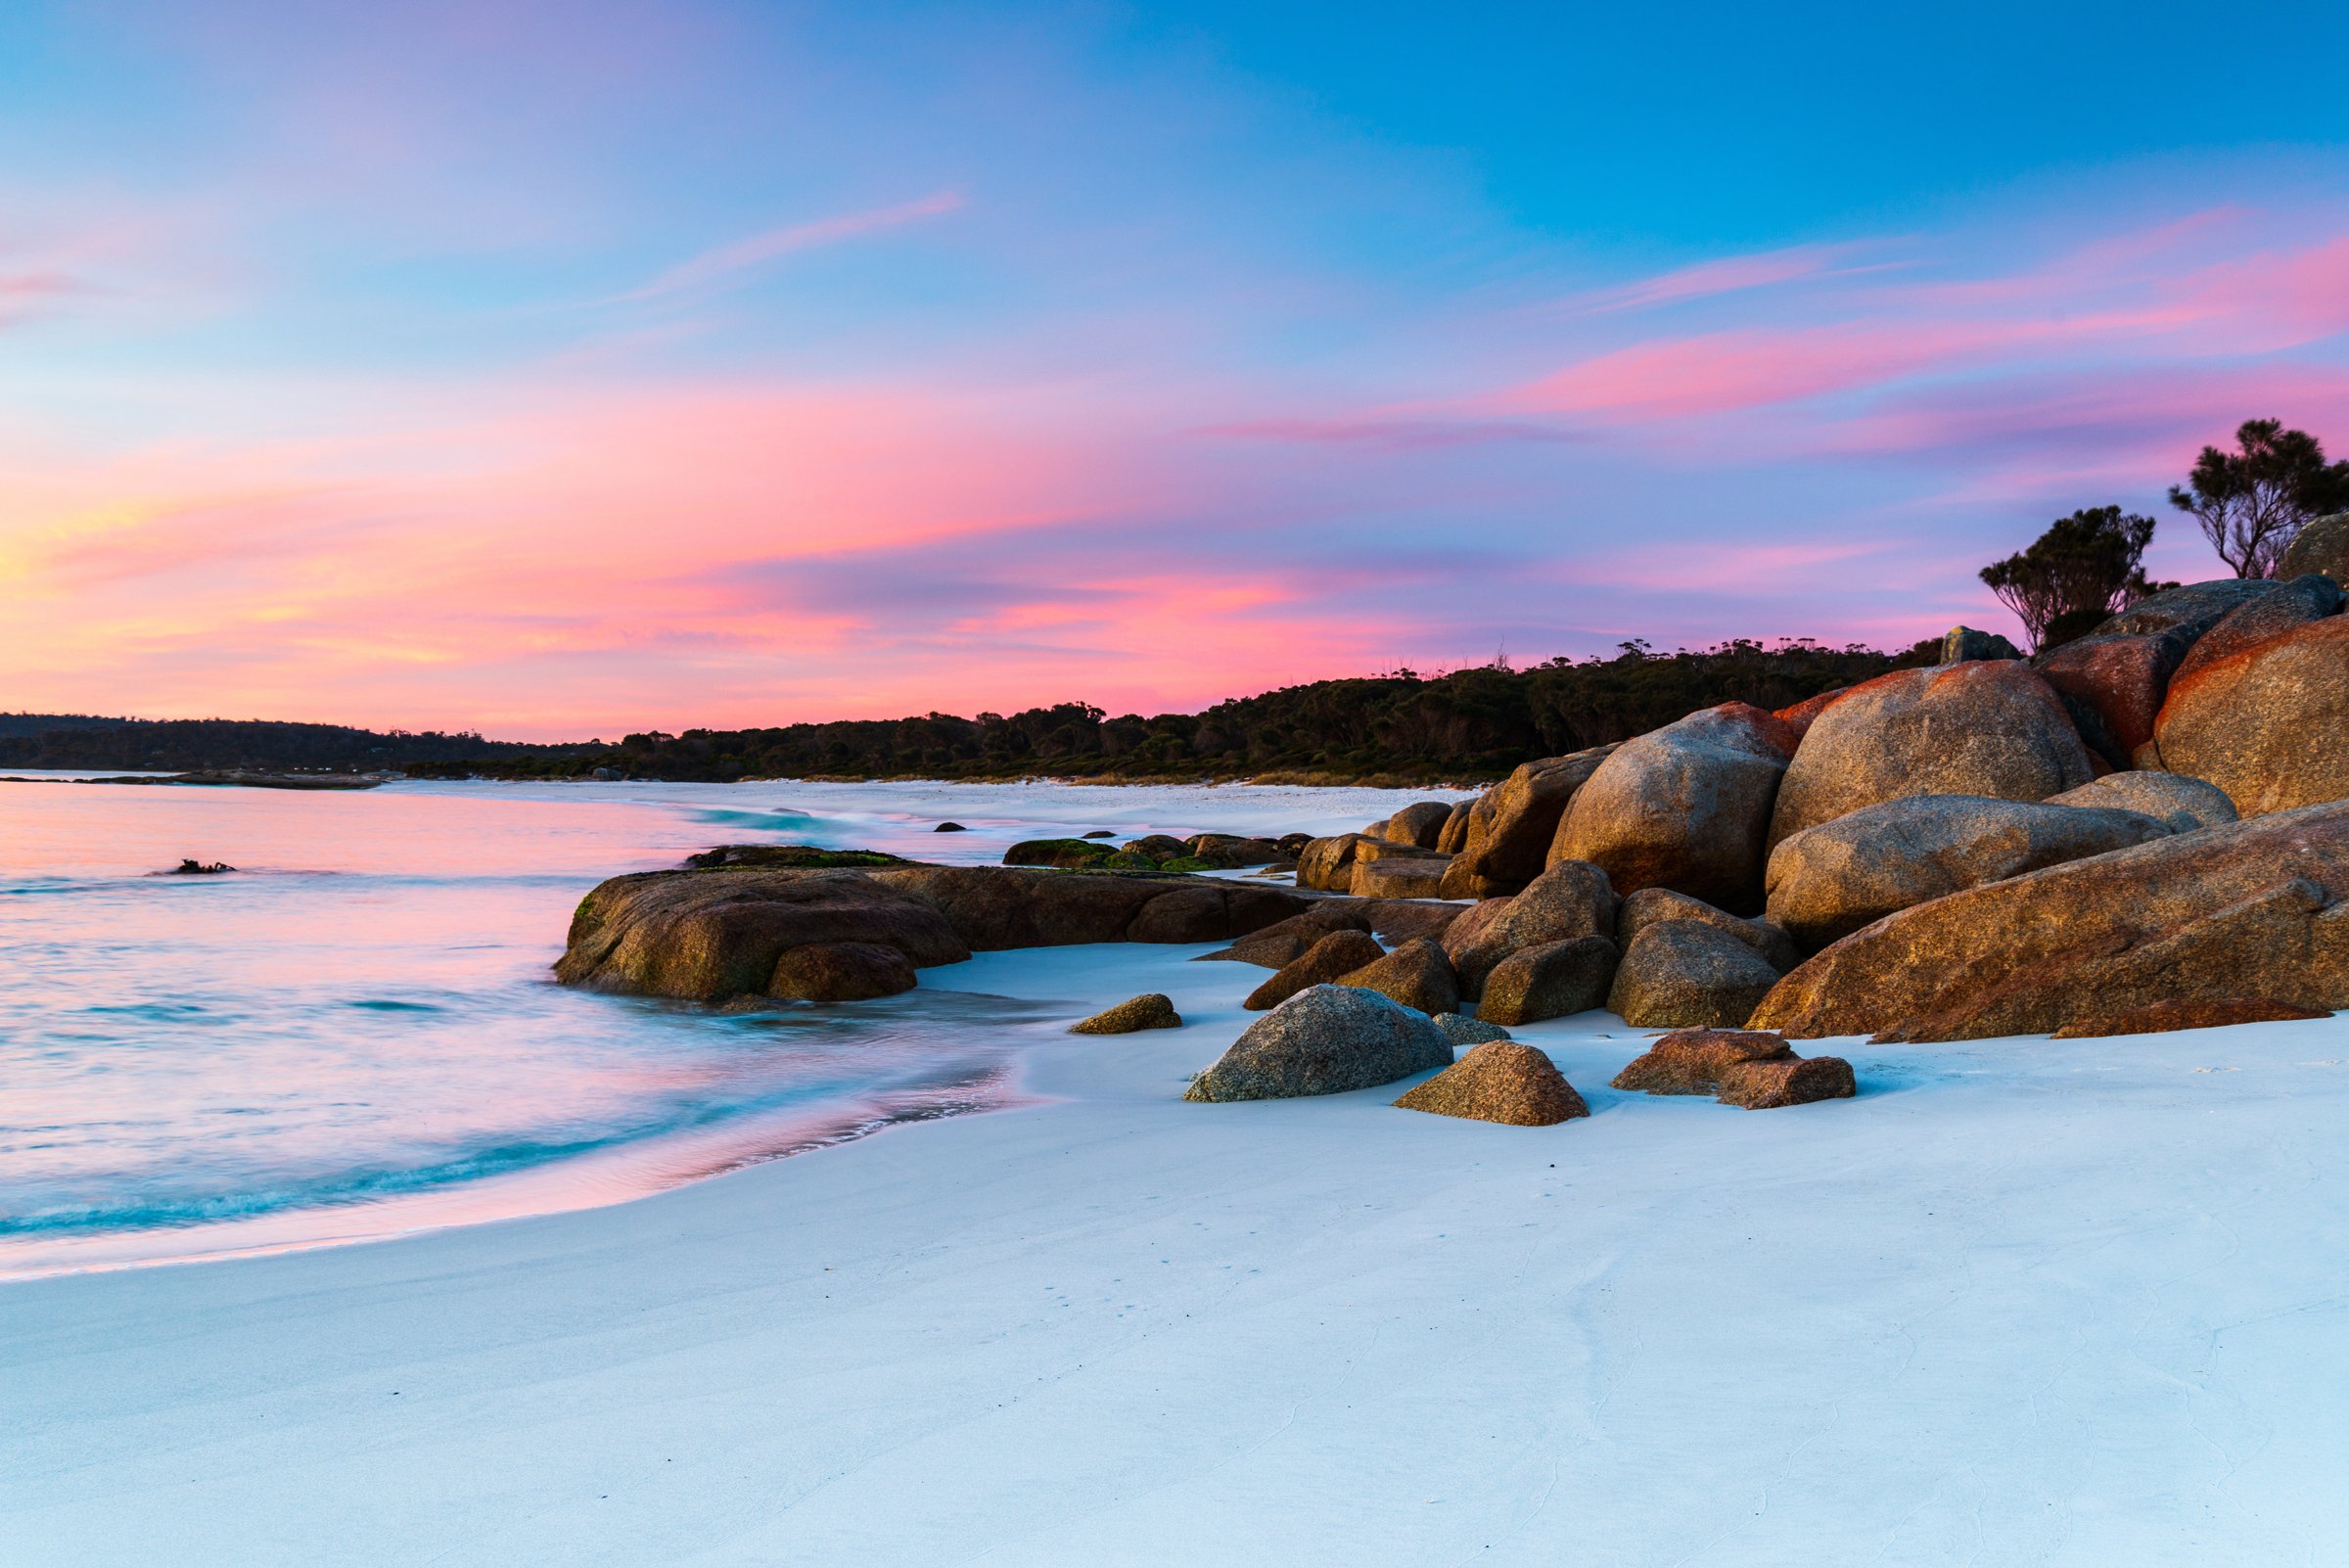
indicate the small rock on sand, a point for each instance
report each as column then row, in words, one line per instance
column 1503, row 1082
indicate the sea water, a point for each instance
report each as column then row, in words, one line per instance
column 355, row 1033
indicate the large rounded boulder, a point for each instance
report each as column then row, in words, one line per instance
column 2249, row 909
column 2291, row 606
column 1828, row 881
column 1556, row 979
column 2270, row 724
column 2120, row 679
column 1686, row 806
column 2184, row 804
column 1687, row 974
column 1325, row 1040
column 1509, row 830
column 2320, row 545
column 1990, row 728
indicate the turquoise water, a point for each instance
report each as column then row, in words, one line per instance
column 355, row 1033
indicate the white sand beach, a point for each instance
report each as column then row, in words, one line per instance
column 2020, row 1303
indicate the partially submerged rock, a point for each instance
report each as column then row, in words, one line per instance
column 1554, row 980
column 840, row 971
column 791, row 858
column 2247, row 908
column 1992, row 728
column 708, row 936
column 1415, row 974
column 1828, row 881
column 1339, row 953
column 995, row 907
column 1686, row 974
column 1150, row 1010
column 1327, row 1039
column 1685, row 807
column 2270, row 724
column 1500, row 1081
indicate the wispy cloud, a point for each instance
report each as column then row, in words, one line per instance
column 710, row 267
column 1394, row 435
column 1729, row 275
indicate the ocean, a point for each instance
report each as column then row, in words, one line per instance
column 354, row 1033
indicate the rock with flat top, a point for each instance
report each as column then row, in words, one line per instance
column 1500, row 1081
column 1327, row 1040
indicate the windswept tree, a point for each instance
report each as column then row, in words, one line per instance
column 2083, row 569
column 2251, row 502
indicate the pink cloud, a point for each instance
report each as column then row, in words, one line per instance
column 742, row 255
column 1729, row 275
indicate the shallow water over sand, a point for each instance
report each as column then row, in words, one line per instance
column 354, row 1035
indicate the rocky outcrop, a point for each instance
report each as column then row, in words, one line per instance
column 2121, row 678
column 1150, row 1010
column 1556, row 979
column 1066, row 854
column 1992, row 728
column 2320, row 545
column 1229, row 853
column 2184, row 804
column 1652, row 905
column 1415, row 974
column 1510, row 829
column 1325, row 1041
column 1754, row 1071
column 1341, row 952
column 714, row 935
column 2289, row 607
column 711, row 936
column 1685, row 807
column 2270, row 724
column 1500, row 1082
column 2163, row 1017
column 1683, row 974
column 2242, row 909
column 1828, row 881
column 1572, row 898
column 840, row 971
column 1419, row 824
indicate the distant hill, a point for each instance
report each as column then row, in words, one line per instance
column 1400, row 727
column 181, row 745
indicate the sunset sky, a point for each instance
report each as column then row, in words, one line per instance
column 572, row 368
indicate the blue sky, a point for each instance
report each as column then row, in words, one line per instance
column 561, row 368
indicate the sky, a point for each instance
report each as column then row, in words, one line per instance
column 568, row 369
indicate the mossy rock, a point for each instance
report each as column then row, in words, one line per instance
column 1152, row 1010
column 789, row 857
column 1065, row 854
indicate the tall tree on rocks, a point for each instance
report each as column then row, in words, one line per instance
column 2083, row 569
column 2251, row 502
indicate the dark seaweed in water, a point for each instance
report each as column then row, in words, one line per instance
column 197, row 869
